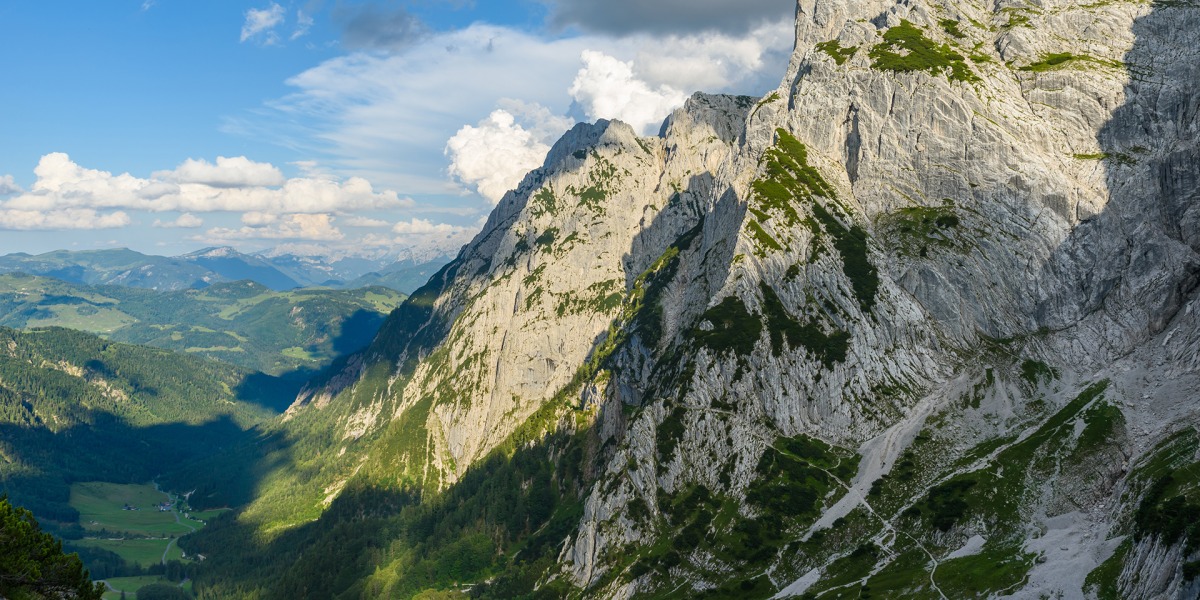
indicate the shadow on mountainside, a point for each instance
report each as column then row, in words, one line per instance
column 1137, row 263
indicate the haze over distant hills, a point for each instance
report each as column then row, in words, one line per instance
column 278, row 271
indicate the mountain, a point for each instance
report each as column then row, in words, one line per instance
column 405, row 275
column 919, row 323
column 114, row 267
column 403, row 270
column 75, row 407
column 231, row 265
column 241, row 323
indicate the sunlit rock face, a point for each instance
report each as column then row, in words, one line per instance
column 926, row 307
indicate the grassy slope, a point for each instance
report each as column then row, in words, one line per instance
column 240, row 323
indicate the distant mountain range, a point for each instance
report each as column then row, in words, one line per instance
column 277, row 271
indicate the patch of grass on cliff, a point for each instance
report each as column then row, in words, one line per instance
column 790, row 180
column 1104, row 580
column 735, row 329
column 906, row 49
column 837, row 52
column 951, row 27
column 851, row 243
column 1058, row 60
column 1036, row 372
column 917, row 227
column 828, row 348
column 763, row 240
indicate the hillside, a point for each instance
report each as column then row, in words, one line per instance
column 75, row 407
column 920, row 323
column 275, row 270
column 241, row 323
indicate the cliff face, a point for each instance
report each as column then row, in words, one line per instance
column 919, row 323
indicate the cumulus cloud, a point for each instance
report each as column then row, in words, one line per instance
column 606, row 88
column 262, row 22
column 426, row 227
column 8, row 186
column 623, row 17
column 259, row 219
column 72, row 218
column 61, row 184
column 238, row 171
column 384, row 115
column 716, row 61
column 493, row 156
column 311, row 227
column 185, row 221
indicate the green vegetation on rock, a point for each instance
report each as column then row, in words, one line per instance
column 789, row 182
column 838, row 53
column 1058, row 60
column 906, row 49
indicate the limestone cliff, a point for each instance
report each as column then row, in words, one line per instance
column 919, row 323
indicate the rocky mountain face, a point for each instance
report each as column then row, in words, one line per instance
column 918, row 323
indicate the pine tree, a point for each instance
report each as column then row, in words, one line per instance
column 32, row 562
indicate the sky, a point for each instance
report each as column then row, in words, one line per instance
column 331, row 126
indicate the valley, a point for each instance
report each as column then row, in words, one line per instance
column 139, row 524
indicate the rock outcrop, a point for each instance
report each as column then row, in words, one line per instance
column 919, row 323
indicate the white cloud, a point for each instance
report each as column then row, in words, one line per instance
column 304, row 22
column 185, row 221
column 426, row 227
column 311, row 227
column 606, row 88
column 68, row 219
column 8, row 186
column 263, row 21
column 258, row 219
column 364, row 222
column 384, row 115
column 495, row 155
column 238, row 171
column 717, row 62
column 61, row 183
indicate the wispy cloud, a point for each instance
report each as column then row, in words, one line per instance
column 261, row 22
column 304, row 22
column 384, row 116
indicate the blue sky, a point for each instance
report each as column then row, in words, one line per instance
column 327, row 125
